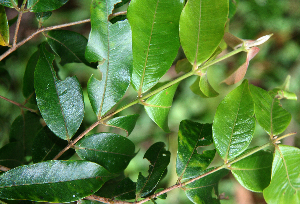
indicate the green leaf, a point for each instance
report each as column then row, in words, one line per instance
column 158, row 106
column 234, row 124
column 53, row 181
column 24, row 129
column 163, row 196
column 125, row 190
column 60, row 102
column 200, row 191
column 9, row 3
column 43, row 16
column 69, row 45
column 45, row 5
column 4, row 28
column 110, row 45
column 192, row 135
column 285, row 186
column 155, row 39
column 202, row 24
column 206, row 88
column 159, row 159
column 183, row 66
column 110, row 150
column 268, row 112
column 282, row 94
column 28, row 79
column 5, row 78
column 126, row 123
column 232, row 7
column 46, row 146
column 254, row 172
column 11, row 156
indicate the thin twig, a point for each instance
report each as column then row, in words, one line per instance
column 17, row 28
column 4, row 168
column 18, row 104
column 38, row 32
column 121, row 13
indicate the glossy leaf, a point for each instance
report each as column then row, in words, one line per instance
column 46, row 146
column 69, row 45
column 234, row 124
column 254, row 172
column 183, row 66
column 268, row 112
column 200, row 191
column 202, row 24
column 45, row 5
column 158, row 106
column 125, row 123
column 53, row 181
column 60, row 102
column 9, row 3
column 11, row 156
column 4, row 28
column 110, row 45
column 110, row 150
column 192, row 135
column 155, row 39
column 285, row 186
column 159, row 159
column 23, row 130
column 28, row 79
column 43, row 16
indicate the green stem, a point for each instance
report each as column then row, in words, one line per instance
column 284, row 136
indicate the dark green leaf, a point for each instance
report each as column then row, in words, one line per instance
column 254, row 172
column 46, row 146
column 232, row 7
column 268, row 112
column 285, row 186
column 5, row 78
column 234, row 124
column 159, row 159
column 163, row 196
column 158, row 106
column 24, row 129
column 28, row 79
column 60, row 102
column 13, row 20
column 53, row 181
column 183, row 66
column 111, row 151
column 126, row 123
column 9, row 3
column 192, row 135
column 155, row 39
column 202, row 26
column 125, row 190
column 43, row 16
column 69, row 45
column 11, row 155
column 45, row 5
column 200, row 191
column 4, row 28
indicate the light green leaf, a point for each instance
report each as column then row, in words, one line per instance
column 282, row 94
column 53, row 181
column 206, row 88
column 158, row 106
column 285, row 184
column 4, row 28
column 200, row 191
column 189, row 162
column 60, row 102
column 254, row 172
column 159, row 159
column 9, row 3
column 45, row 5
column 126, row 123
column 268, row 112
column 202, row 24
column 110, row 150
column 155, row 39
column 183, row 66
column 234, row 124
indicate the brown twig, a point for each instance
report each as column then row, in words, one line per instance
column 4, row 168
column 17, row 28
column 18, row 104
column 121, row 13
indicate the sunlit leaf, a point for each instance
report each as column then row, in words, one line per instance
column 110, row 150
column 9, row 3
column 192, row 135
column 268, row 112
column 125, row 123
column 45, row 5
column 53, row 181
column 159, row 159
column 202, row 24
column 285, row 184
column 4, row 28
column 60, row 102
column 234, row 122
column 155, row 39
column 254, row 172
column 158, row 106
column 200, row 191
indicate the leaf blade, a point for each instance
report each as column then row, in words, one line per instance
column 45, row 5
column 4, row 28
